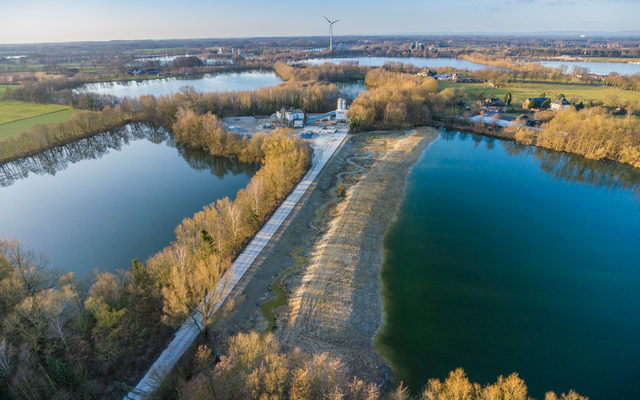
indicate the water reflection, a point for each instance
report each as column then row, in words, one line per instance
column 350, row 90
column 232, row 81
column 563, row 166
column 56, row 159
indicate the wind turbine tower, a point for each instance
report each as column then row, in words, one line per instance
column 331, row 32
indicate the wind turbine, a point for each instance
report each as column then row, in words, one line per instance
column 331, row 32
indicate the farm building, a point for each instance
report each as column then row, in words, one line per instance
column 560, row 104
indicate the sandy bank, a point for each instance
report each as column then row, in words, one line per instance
column 335, row 304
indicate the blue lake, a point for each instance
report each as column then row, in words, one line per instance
column 100, row 202
column 508, row 258
column 249, row 80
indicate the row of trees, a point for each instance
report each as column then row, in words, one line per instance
column 327, row 72
column 595, row 134
column 398, row 100
column 44, row 136
column 254, row 367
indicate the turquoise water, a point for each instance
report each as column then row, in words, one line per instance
column 507, row 258
column 97, row 203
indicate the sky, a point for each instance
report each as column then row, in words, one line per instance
column 24, row 21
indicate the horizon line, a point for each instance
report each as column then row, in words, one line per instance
column 588, row 35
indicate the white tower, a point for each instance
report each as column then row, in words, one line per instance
column 341, row 111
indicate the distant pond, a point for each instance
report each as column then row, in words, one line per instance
column 596, row 67
column 417, row 61
column 100, row 202
column 509, row 258
column 248, row 80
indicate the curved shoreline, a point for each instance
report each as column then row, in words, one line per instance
column 335, row 303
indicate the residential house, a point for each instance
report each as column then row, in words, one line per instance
column 494, row 105
column 537, row 103
column 560, row 104
column 448, row 77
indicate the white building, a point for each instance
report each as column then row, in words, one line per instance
column 560, row 104
column 341, row 111
column 291, row 117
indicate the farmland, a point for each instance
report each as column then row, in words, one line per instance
column 19, row 116
column 524, row 90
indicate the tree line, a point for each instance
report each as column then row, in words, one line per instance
column 593, row 133
column 326, row 72
column 398, row 100
column 255, row 367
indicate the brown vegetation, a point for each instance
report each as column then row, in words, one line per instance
column 594, row 134
column 327, row 72
column 254, row 367
column 398, row 100
column 42, row 137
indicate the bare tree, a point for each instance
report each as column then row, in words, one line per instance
column 196, row 290
column 5, row 358
column 28, row 268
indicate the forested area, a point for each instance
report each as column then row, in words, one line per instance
column 593, row 133
column 327, row 72
column 254, row 367
column 398, row 100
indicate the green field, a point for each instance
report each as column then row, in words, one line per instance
column 3, row 88
column 19, row 116
column 572, row 91
column 11, row 110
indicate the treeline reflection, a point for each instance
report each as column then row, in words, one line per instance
column 56, row 159
column 564, row 166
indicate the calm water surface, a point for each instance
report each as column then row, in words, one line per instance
column 417, row 61
column 102, row 201
column 208, row 83
column 509, row 258
column 596, row 67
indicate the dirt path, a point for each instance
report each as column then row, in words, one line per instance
column 335, row 304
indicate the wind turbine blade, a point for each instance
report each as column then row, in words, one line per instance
column 328, row 20
column 335, row 21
